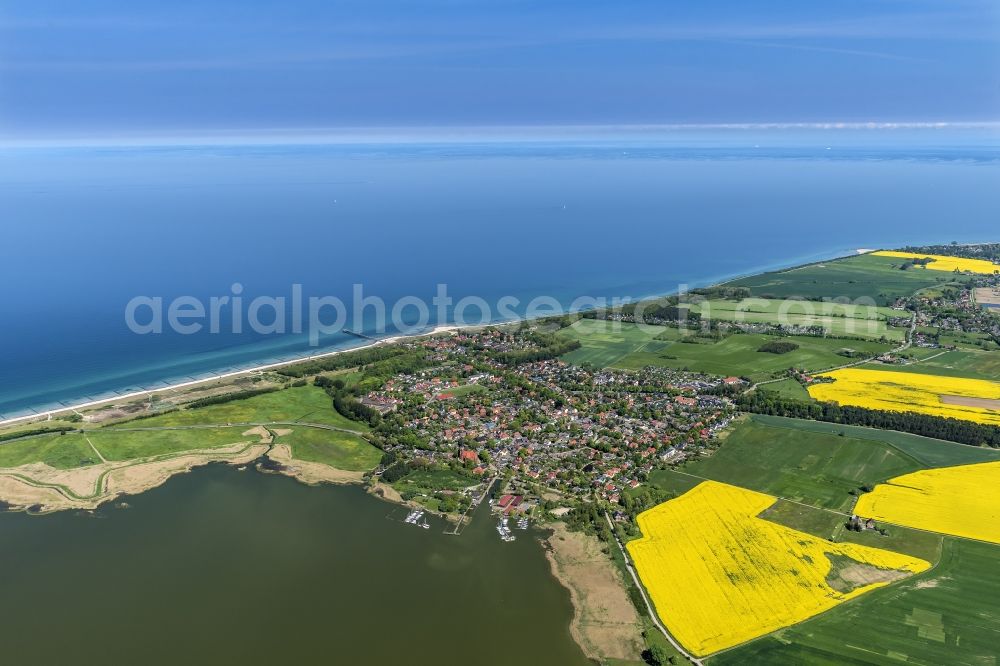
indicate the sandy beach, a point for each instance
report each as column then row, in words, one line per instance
column 442, row 328
column 445, row 328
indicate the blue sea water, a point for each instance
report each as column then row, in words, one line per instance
column 86, row 229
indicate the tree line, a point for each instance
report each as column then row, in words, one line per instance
column 549, row 347
column 20, row 434
column 778, row 347
column 926, row 425
column 988, row 251
column 346, row 404
column 229, row 397
column 341, row 361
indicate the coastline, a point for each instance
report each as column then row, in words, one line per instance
column 444, row 328
column 601, row 625
column 309, row 473
column 436, row 330
column 605, row 624
column 39, row 488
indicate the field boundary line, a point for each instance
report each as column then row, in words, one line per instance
column 905, row 454
column 808, row 506
column 649, row 606
column 840, row 513
column 207, row 426
column 912, row 578
column 99, row 454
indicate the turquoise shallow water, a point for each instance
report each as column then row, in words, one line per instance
column 87, row 229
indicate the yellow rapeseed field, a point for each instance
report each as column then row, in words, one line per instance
column 963, row 501
column 912, row 392
column 720, row 576
column 945, row 263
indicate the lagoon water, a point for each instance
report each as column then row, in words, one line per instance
column 86, row 229
column 226, row 567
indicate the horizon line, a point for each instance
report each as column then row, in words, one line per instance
column 445, row 133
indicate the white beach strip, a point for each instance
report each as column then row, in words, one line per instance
column 227, row 375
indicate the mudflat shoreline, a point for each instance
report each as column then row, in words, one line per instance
column 605, row 624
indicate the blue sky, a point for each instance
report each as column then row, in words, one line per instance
column 101, row 67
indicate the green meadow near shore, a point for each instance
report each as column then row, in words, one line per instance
column 341, row 450
column 333, row 441
column 130, row 444
column 293, row 408
column 74, row 449
column 56, row 450
column 305, row 404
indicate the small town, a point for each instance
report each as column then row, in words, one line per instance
column 551, row 432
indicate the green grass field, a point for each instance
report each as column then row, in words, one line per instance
column 603, row 343
column 739, row 355
column 21, row 428
column 72, row 449
column 770, row 309
column 972, row 364
column 863, row 277
column 629, row 346
column 435, row 480
column 837, row 318
column 464, row 390
column 142, row 439
column 812, row 467
column 921, row 353
column 788, row 388
column 59, row 451
column 947, row 615
column 926, row 451
column 833, row 526
column 337, row 449
column 307, row 404
column 128, row 444
column 968, row 341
